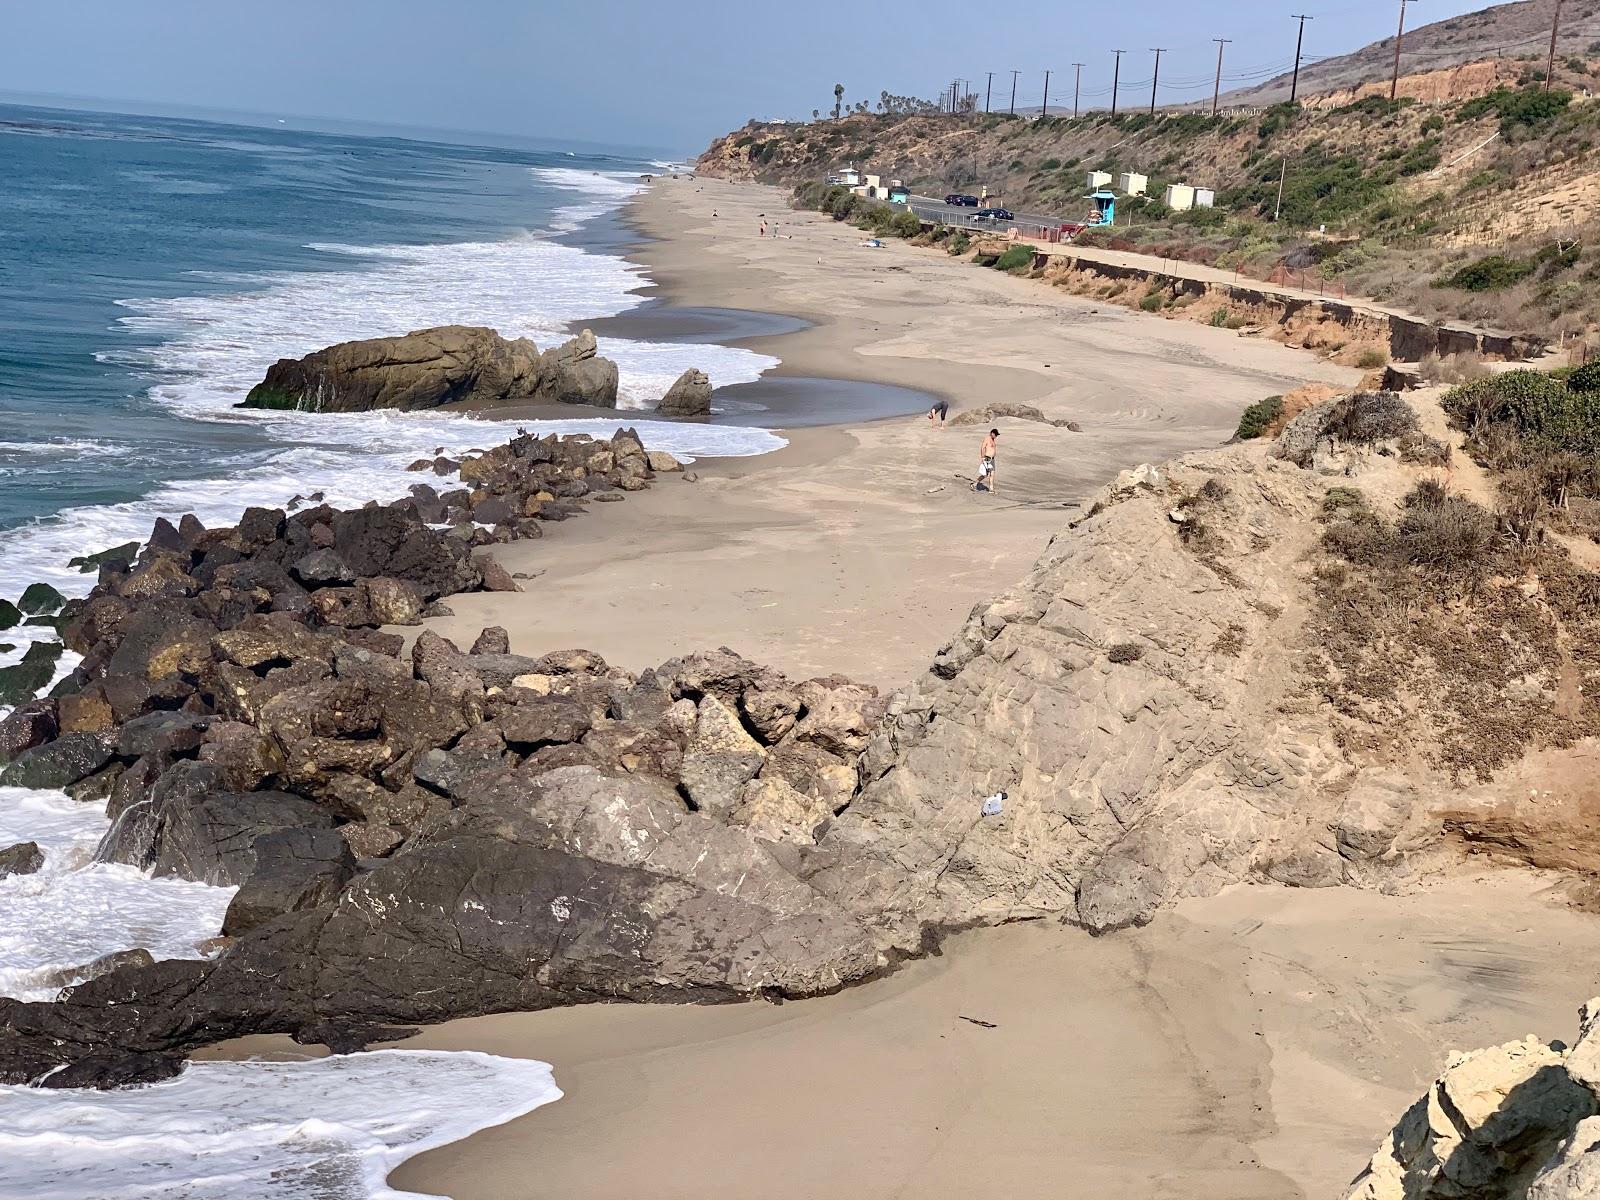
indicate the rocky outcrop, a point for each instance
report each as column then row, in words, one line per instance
column 1513, row 1122
column 452, row 364
column 689, row 396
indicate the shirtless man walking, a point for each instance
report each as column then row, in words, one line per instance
column 985, row 481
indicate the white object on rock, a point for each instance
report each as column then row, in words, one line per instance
column 992, row 804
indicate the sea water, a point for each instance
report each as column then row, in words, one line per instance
column 150, row 271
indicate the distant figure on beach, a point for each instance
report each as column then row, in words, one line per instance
column 763, row 232
column 713, row 214
column 937, row 414
column 985, row 481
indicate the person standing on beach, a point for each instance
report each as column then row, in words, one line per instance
column 763, row 231
column 985, row 481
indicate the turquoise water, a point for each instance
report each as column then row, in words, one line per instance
column 152, row 268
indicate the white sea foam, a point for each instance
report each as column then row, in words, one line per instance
column 74, row 910
column 62, row 447
column 605, row 191
column 323, row 1129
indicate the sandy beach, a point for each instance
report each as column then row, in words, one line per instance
column 859, row 548
column 1253, row 1044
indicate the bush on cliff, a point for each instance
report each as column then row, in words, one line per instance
column 1016, row 258
column 1533, row 406
column 1258, row 418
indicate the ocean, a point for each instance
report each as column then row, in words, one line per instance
column 150, row 271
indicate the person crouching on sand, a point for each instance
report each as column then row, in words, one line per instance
column 937, row 414
column 985, row 482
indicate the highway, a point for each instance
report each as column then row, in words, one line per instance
column 932, row 208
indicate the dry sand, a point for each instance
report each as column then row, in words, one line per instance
column 859, row 548
column 1253, row 1044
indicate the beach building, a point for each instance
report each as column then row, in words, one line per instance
column 1098, row 180
column 1179, row 197
column 1205, row 198
column 1131, row 183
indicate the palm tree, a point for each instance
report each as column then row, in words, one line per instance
column 838, row 99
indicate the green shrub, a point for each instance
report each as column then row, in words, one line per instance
column 1152, row 302
column 1522, row 109
column 1371, row 359
column 905, row 224
column 1498, row 271
column 1538, row 408
column 1050, row 164
column 960, row 243
column 1586, row 378
column 1433, row 124
column 1219, row 319
column 1277, row 118
column 1016, row 258
column 1255, row 420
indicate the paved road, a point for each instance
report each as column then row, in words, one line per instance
column 932, row 208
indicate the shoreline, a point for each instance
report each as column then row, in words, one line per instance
column 859, row 546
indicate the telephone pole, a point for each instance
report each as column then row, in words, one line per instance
column 1216, row 90
column 1116, row 74
column 1077, row 79
column 1044, row 109
column 1299, row 40
column 1155, row 79
column 1550, row 63
column 1014, row 75
column 987, row 88
column 1394, row 80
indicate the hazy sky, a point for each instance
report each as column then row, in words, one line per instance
column 663, row 73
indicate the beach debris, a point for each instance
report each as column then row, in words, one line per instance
column 978, row 1021
column 993, row 804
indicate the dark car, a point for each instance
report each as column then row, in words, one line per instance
column 992, row 214
column 958, row 198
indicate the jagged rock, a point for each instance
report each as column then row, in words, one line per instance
column 839, row 715
column 1495, row 1122
column 245, row 758
column 104, row 965
column 393, row 601
column 574, row 373
column 719, row 760
column 773, row 810
column 813, row 772
column 163, row 577
column 214, row 839
column 322, row 568
column 689, row 396
column 25, row 858
column 71, row 757
column 161, row 733
column 38, row 599
column 88, row 711
column 10, row 615
column 295, row 869
column 549, row 721
column 661, row 461
column 27, row 726
column 492, row 640
column 495, row 577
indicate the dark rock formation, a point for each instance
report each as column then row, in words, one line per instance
column 451, row 364
column 689, row 396
column 25, row 858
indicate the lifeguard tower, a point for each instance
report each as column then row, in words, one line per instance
column 1103, row 208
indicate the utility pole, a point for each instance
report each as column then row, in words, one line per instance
column 1044, row 109
column 1077, row 80
column 1394, row 80
column 1216, row 90
column 1116, row 74
column 1014, row 75
column 1282, row 171
column 987, row 88
column 1550, row 63
column 1299, row 40
column 1155, row 79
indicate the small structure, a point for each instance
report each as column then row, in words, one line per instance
column 850, row 177
column 1205, row 198
column 1179, row 197
column 899, row 193
column 1132, row 183
column 1098, row 180
column 1103, row 207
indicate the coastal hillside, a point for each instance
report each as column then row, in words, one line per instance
column 1518, row 33
column 1472, row 198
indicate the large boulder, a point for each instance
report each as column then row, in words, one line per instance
column 56, row 764
column 574, row 373
column 450, row 364
column 295, row 869
column 689, row 396
column 421, row 369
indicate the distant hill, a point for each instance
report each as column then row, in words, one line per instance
column 1506, row 31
